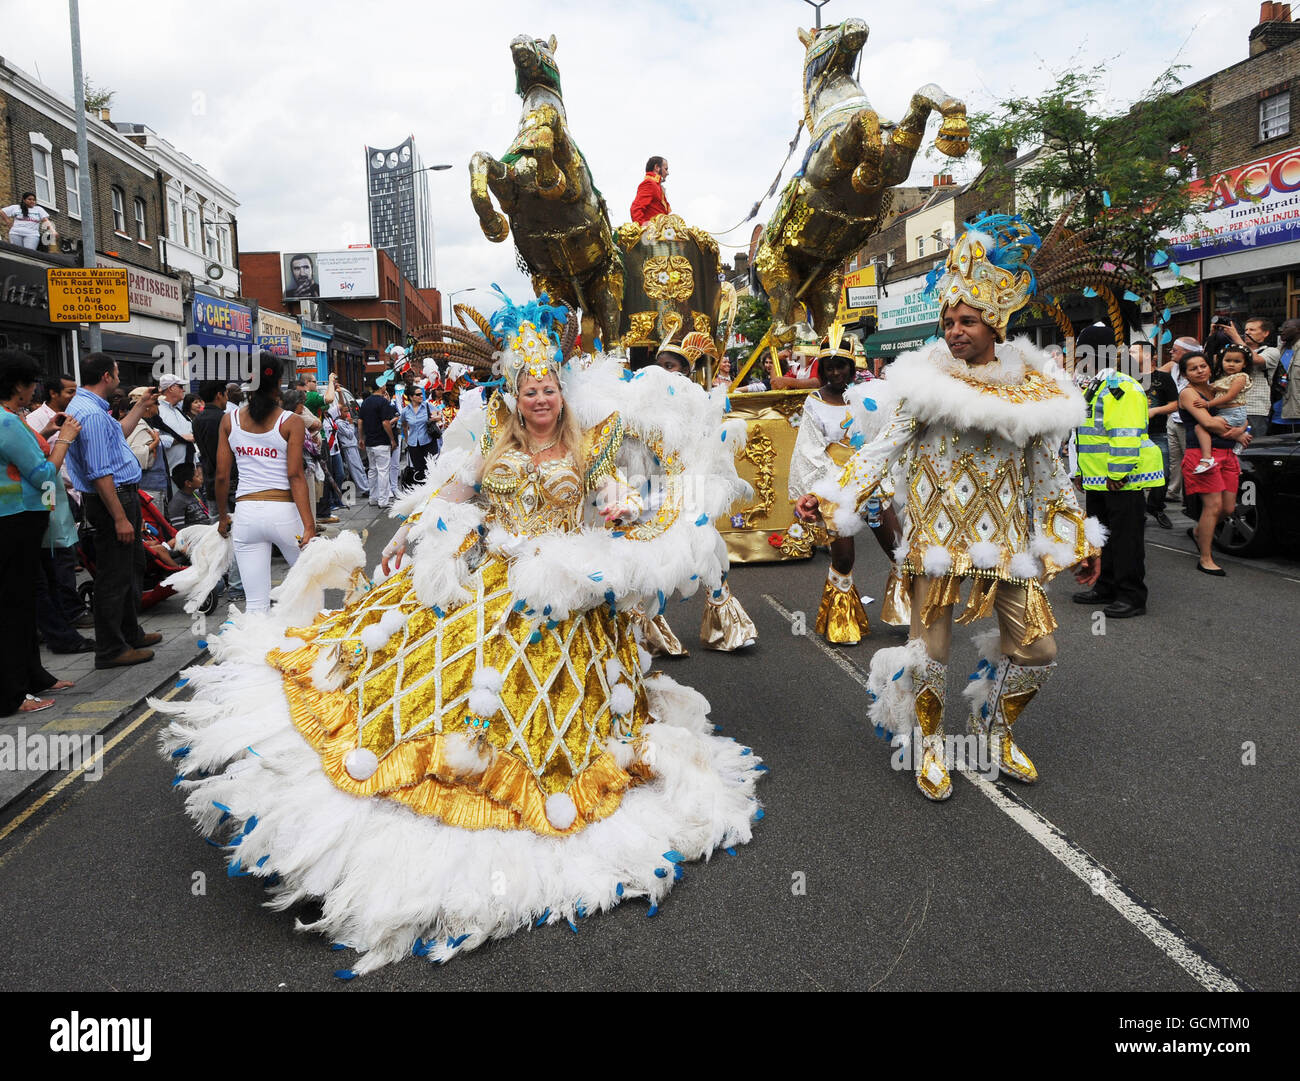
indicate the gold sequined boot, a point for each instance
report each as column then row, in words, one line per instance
column 726, row 625
column 1014, row 685
column 928, row 687
column 840, row 616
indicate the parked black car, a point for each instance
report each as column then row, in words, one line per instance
column 1268, row 501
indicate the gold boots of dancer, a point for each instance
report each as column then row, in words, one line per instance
column 928, row 686
column 841, row 619
column 1013, row 687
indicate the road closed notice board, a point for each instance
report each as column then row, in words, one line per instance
column 89, row 295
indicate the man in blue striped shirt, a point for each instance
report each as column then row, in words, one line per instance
column 105, row 470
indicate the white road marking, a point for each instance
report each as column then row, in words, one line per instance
column 1157, row 928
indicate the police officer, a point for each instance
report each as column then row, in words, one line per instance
column 1118, row 463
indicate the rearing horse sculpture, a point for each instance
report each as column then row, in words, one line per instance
column 835, row 202
column 560, row 222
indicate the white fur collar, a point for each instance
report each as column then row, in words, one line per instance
column 935, row 388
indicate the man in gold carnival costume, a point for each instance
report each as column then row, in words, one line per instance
column 475, row 743
column 974, row 435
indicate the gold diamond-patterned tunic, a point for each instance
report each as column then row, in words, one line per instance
column 987, row 497
column 403, row 702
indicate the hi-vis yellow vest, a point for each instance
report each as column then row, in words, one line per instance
column 1113, row 443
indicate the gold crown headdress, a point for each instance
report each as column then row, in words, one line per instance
column 534, row 339
column 999, row 265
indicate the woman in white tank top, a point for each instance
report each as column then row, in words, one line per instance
column 272, row 506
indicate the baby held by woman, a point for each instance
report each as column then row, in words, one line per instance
column 1230, row 384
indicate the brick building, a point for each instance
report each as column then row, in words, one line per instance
column 379, row 318
column 1245, row 257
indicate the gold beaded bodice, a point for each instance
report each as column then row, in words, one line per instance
column 525, row 497
column 966, row 487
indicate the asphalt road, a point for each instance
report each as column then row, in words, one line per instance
column 1150, row 856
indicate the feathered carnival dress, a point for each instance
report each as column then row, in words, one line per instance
column 474, row 744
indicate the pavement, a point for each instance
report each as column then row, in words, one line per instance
column 1152, row 856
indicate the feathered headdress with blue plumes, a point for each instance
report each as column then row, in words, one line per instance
column 999, row 265
column 532, row 337
column 988, row 268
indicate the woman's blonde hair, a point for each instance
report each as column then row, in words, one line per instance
column 513, row 433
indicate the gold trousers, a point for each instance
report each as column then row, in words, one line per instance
column 1008, row 605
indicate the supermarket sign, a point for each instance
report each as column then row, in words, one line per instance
column 1250, row 206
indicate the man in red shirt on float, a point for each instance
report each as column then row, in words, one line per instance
column 650, row 200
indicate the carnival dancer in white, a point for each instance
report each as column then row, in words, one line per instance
column 974, row 432
column 271, row 503
column 474, row 744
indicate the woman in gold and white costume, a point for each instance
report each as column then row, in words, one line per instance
column 473, row 744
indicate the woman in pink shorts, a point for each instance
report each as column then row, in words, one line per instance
column 1217, row 486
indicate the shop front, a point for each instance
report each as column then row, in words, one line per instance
column 25, row 315
column 223, row 332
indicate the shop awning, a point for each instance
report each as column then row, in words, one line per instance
column 889, row 343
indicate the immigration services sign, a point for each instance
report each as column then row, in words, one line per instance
column 1250, row 206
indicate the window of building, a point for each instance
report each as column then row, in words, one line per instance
column 191, row 228
column 212, row 248
column 72, row 185
column 1275, row 116
column 173, row 219
column 42, row 171
column 119, row 210
column 141, row 232
column 920, row 246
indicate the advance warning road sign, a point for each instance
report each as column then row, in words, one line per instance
column 89, row 295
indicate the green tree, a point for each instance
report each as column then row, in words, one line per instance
column 753, row 317
column 97, row 97
column 1128, row 170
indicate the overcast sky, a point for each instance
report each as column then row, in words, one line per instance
column 277, row 98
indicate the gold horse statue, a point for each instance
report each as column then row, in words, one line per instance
column 837, row 199
column 559, row 218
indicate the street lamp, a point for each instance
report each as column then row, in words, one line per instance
column 401, row 276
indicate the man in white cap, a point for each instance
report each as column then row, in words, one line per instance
column 171, row 391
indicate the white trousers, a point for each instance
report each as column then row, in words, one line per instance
column 395, row 470
column 381, row 489
column 259, row 524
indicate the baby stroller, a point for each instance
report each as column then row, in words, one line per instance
column 157, row 532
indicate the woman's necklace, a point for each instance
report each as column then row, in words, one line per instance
column 542, row 450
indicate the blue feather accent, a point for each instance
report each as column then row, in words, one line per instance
column 759, row 815
column 178, row 779
column 724, row 435
column 1166, row 337
column 869, row 404
column 1160, row 258
column 221, row 806
column 703, row 519
column 1105, row 198
column 572, row 926
column 340, row 946
column 1175, row 269
column 760, row 768
column 897, row 675
column 250, row 750
column 534, row 638
column 747, row 750
column 880, row 732
column 1130, row 295
column 181, row 683
column 181, row 752
column 1166, row 315
column 438, row 612
column 1089, row 291
column 679, row 872
column 543, row 918
column 673, row 856
column 653, row 910
column 250, row 825
column 520, row 606
column 660, row 873
column 454, row 943
column 203, row 643
column 618, row 890
column 442, row 526
column 729, row 851
column 596, row 577
column 345, row 974
column 857, row 442
column 420, row 948
column 262, row 861
column 236, row 871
